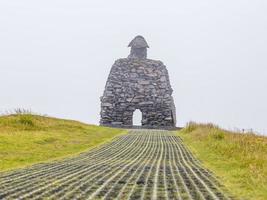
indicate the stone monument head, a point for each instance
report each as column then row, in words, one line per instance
column 138, row 48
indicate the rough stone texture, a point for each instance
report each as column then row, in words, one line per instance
column 138, row 83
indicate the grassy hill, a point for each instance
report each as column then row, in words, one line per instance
column 26, row 139
column 239, row 160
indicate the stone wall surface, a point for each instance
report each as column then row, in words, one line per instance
column 135, row 83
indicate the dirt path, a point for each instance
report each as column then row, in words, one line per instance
column 144, row 164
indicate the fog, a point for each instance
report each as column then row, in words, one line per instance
column 55, row 56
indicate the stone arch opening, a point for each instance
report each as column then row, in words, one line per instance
column 137, row 117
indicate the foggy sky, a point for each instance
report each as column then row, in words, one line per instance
column 55, row 55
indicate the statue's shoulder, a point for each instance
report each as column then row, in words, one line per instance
column 157, row 62
column 121, row 61
column 132, row 61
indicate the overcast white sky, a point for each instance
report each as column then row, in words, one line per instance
column 55, row 55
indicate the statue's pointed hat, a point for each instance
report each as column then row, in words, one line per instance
column 138, row 42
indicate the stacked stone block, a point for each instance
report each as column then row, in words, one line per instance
column 143, row 84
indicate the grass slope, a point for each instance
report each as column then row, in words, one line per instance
column 239, row 160
column 26, row 139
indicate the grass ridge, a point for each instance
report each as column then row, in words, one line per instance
column 26, row 139
column 238, row 159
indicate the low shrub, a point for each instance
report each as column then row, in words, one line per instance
column 26, row 120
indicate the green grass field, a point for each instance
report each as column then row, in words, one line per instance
column 26, row 139
column 239, row 160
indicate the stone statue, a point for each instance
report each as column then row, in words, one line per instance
column 138, row 83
